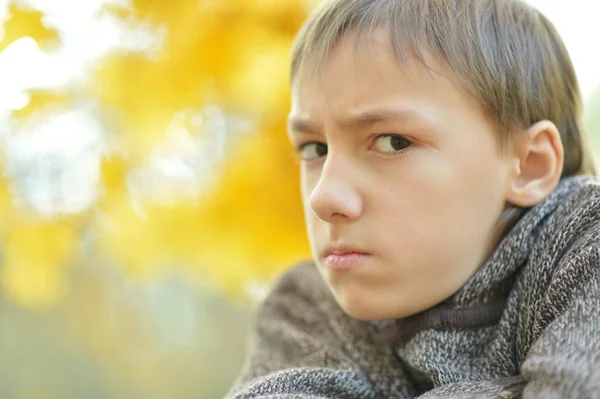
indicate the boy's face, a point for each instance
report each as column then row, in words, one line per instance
column 422, row 206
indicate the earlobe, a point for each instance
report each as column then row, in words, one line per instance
column 539, row 159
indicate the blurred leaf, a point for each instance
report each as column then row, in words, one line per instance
column 235, row 54
column 248, row 229
column 24, row 21
column 249, row 226
column 225, row 52
column 255, row 215
column 113, row 175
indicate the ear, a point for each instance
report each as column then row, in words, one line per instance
column 539, row 159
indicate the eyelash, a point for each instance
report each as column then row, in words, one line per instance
column 402, row 151
column 301, row 147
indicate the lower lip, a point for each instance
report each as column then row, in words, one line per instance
column 347, row 261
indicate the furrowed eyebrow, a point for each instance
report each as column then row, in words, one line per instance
column 368, row 118
column 359, row 120
column 299, row 125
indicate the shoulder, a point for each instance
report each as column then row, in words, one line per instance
column 565, row 260
column 568, row 218
column 580, row 193
column 575, row 243
column 577, row 218
column 572, row 230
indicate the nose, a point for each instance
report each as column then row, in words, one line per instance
column 335, row 198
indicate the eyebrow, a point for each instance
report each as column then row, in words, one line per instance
column 359, row 120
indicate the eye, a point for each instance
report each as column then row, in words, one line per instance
column 312, row 150
column 391, row 144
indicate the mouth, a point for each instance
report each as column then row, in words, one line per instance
column 344, row 257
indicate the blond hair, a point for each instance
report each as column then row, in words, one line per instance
column 503, row 52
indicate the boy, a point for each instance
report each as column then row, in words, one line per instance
column 456, row 241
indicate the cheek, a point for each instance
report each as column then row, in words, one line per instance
column 441, row 206
column 459, row 182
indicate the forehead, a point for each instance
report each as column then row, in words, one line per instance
column 367, row 73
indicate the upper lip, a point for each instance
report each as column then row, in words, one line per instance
column 341, row 249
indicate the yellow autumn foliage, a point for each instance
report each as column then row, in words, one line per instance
column 231, row 53
column 24, row 21
column 243, row 229
column 35, row 253
column 247, row 229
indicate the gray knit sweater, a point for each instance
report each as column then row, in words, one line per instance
column 527, row 324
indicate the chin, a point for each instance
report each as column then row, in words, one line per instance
column 364, row 314
column 365, row 310
column 371, row 306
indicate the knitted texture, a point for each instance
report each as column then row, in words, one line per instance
column 542, row 341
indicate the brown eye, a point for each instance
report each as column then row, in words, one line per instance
column 310, row 151
column 391, row 143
